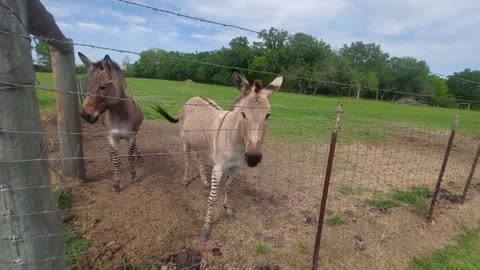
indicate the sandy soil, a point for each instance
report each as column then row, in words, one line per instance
column 276, row 203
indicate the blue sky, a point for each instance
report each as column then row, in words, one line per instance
column 445, row 33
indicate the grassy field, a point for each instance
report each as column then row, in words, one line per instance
column 310, row 117
column 464, row 255
column 299, row 115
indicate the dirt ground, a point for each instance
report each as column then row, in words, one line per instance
column 276, row 203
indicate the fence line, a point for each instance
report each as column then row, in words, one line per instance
column 374, row 171
column 7, row 188
column 292, row 188
column 259, row 32
column 238, row 68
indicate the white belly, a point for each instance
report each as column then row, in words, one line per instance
column 118, row 134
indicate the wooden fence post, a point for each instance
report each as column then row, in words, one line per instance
column 326, row 185
column 68, row 112
column 31, row 230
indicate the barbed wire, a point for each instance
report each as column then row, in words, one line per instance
column 188, row 17
column 242, row 69
column 339, row 51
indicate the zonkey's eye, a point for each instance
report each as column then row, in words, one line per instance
column 268, row 115
column 102, row 87
column 244, row 116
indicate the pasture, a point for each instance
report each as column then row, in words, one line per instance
column 386, row 165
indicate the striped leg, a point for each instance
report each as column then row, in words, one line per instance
column 203, row 171
column 113, row 142
column 137, row 154
column 187, row 157
column 217, row 175
column 228, row 189
column 132, row 157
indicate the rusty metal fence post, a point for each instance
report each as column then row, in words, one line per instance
column 326, row 184
column 470, row 176
column 444, row 166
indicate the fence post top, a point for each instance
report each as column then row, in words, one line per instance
column 66, row 46
column 456, row 120
column 338, row 114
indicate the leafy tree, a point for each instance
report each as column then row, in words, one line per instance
column 43, row 55
column 411, row 76
column 365, row 56
column 273, row 39
column 361, row 70
column 440, row 90
column 465, row 85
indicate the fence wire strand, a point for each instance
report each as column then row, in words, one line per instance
column 339, row 51
column 238, row 68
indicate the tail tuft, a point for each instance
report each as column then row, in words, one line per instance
column 161, row 111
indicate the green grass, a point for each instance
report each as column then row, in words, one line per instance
column 463, row 255
column 75, row 244
column 336, row 220
column 415, row 197
column 293, row 115
column 302, row 247
column 64, row 200
column 261, row 248
column 384, row 203
column 346, row 190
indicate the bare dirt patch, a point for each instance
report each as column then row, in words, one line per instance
column 276, row 204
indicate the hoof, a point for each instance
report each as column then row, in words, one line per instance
column 185, row 184
column 116, row 188
column 135, row 181
column 205, row 234
column 231, row 215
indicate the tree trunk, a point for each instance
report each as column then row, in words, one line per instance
column 358, row 93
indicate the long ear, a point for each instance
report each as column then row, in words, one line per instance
column 273, row 86
column 240, row 82
column 107, row 63
column 85, row 60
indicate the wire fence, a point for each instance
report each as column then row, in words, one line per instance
column 182, row 59
column 161, row 10
column 278, row 200
column 383, row 180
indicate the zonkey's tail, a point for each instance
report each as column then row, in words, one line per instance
column 161, row 111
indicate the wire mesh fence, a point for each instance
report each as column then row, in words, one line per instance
column 382, row 182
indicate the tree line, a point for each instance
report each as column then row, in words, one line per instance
column 358, row 69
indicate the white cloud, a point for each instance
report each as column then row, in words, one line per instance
column 264, row 14
column 125, row 17
column 64, row 25
column 139, row 28
column 90, row 25
column 443, row 32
